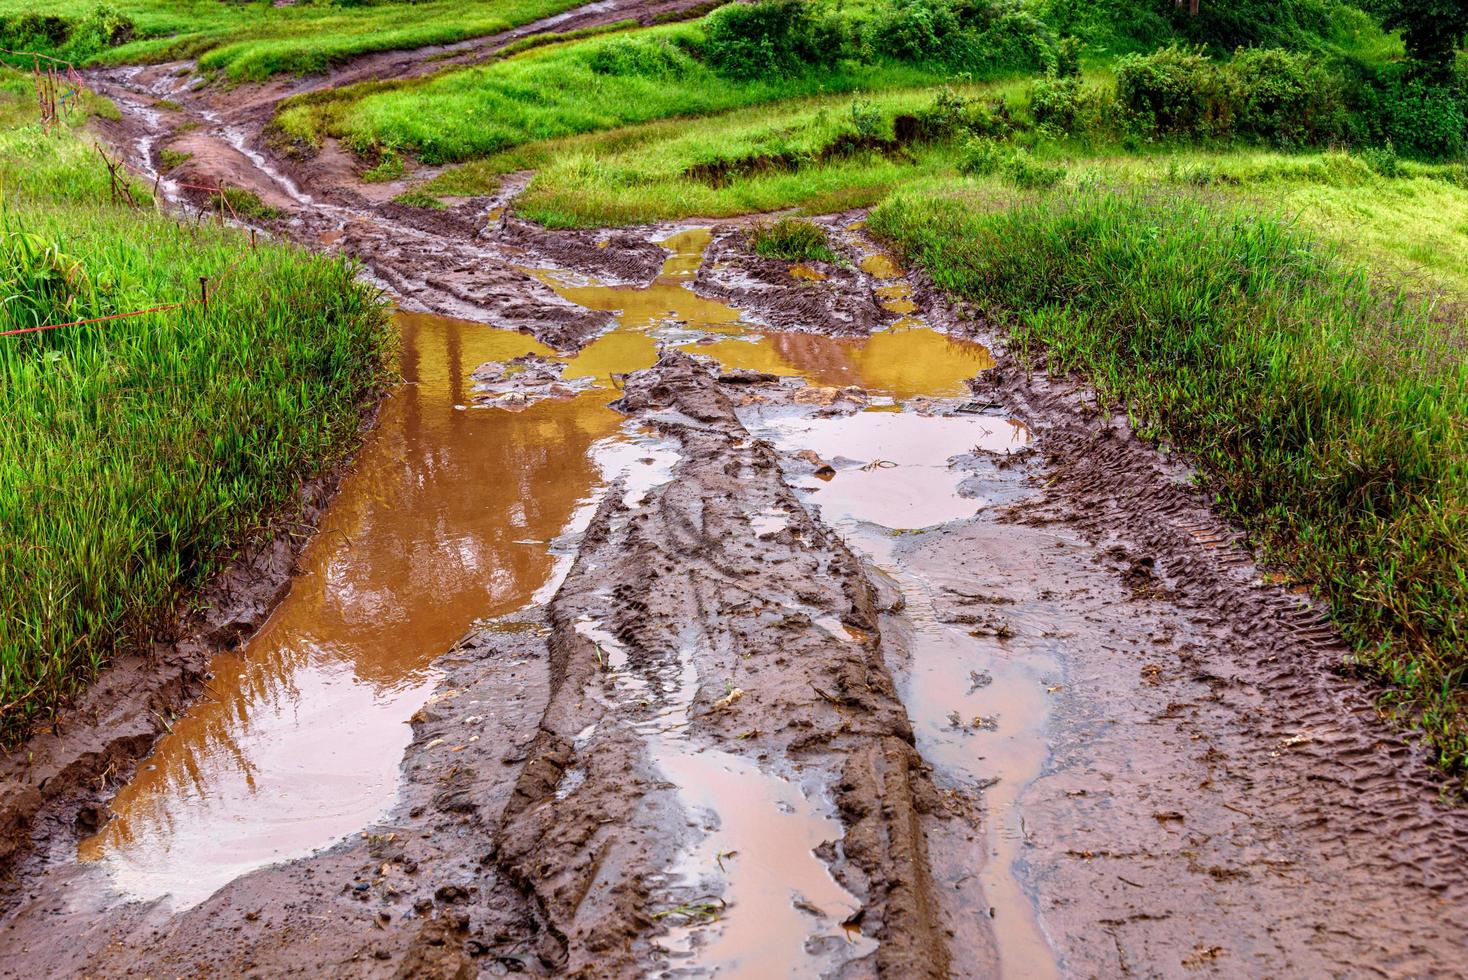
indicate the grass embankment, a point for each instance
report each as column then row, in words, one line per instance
column 135, row 455
column 251, row 41
column 1329, row 417
column 560, row 90
column 821, row 153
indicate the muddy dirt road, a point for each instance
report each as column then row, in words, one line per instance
column 688, row 613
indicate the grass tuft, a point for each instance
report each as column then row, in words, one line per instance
column 792, row 239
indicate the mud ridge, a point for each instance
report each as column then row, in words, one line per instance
column 682, row 579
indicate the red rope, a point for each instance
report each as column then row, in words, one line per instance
column 101, row 319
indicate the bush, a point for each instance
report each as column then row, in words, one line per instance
column 1433, row 30
column 791, row 239
column 1416, row 115
column 1224, row 26
column 638, row 58
column 1170, row 91
column 1262, row 93
column 975, row 37
column 922, row 31
column 770, row 38
column 951, row 114
column 1067, row 58
column 1282, row 98
column 985, row 157
column 1016, row 40
column 104, row 27
column 1068, row 105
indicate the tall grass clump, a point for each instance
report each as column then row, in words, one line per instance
column 1328, row 416
column 791, row 239
column 137, row 454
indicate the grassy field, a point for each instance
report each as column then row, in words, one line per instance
column 560, row 90
column 1328, row 415
column 135, row 455
column 252, row 41
column 807, row 153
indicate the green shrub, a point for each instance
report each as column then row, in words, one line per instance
column 1015, row 40
column 951, row 114
column 105, row 27
column 1382, row 160
column 1267, row 94
column 76, row 38
column 791, row 239
column 1068, row 105
column 1224, row 25
column 981, row 38
column 1282, row 98
column 1068, row 58
column 921, row 31
column 1433, row 30
column 640, row 58
column 985, row 157
column 867, row 119
column 1418, row 116
column 770, row 38
column 1171, row 91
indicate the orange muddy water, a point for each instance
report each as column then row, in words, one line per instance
column 449, row 516
column 299, row 738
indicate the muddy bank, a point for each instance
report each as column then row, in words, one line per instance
column 55, row 786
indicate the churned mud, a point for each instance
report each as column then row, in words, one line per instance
column 689, row 613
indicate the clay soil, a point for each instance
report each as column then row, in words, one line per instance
column 1202, row 789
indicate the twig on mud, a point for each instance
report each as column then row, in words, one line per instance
column 702, row 909
column 825, row 696
column 1236, row 809
column 1129, row 882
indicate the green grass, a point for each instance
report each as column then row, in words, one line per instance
column 1327, row 416
column 774, row 156
column 791, row 239
column 253, row 41
column 136, row 455
column 560, row 90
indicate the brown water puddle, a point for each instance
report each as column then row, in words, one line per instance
column 299, row 739
column 446, row 519
column 880, row 265
column 978, row 708
column 908, row 361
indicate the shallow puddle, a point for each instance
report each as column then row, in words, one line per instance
column 777, row 904
column 441, row 521
column 978, row 707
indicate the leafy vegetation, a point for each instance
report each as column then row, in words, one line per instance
column 137, row 453
column 1327, row 415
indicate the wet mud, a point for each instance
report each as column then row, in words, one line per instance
column 690, row 613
